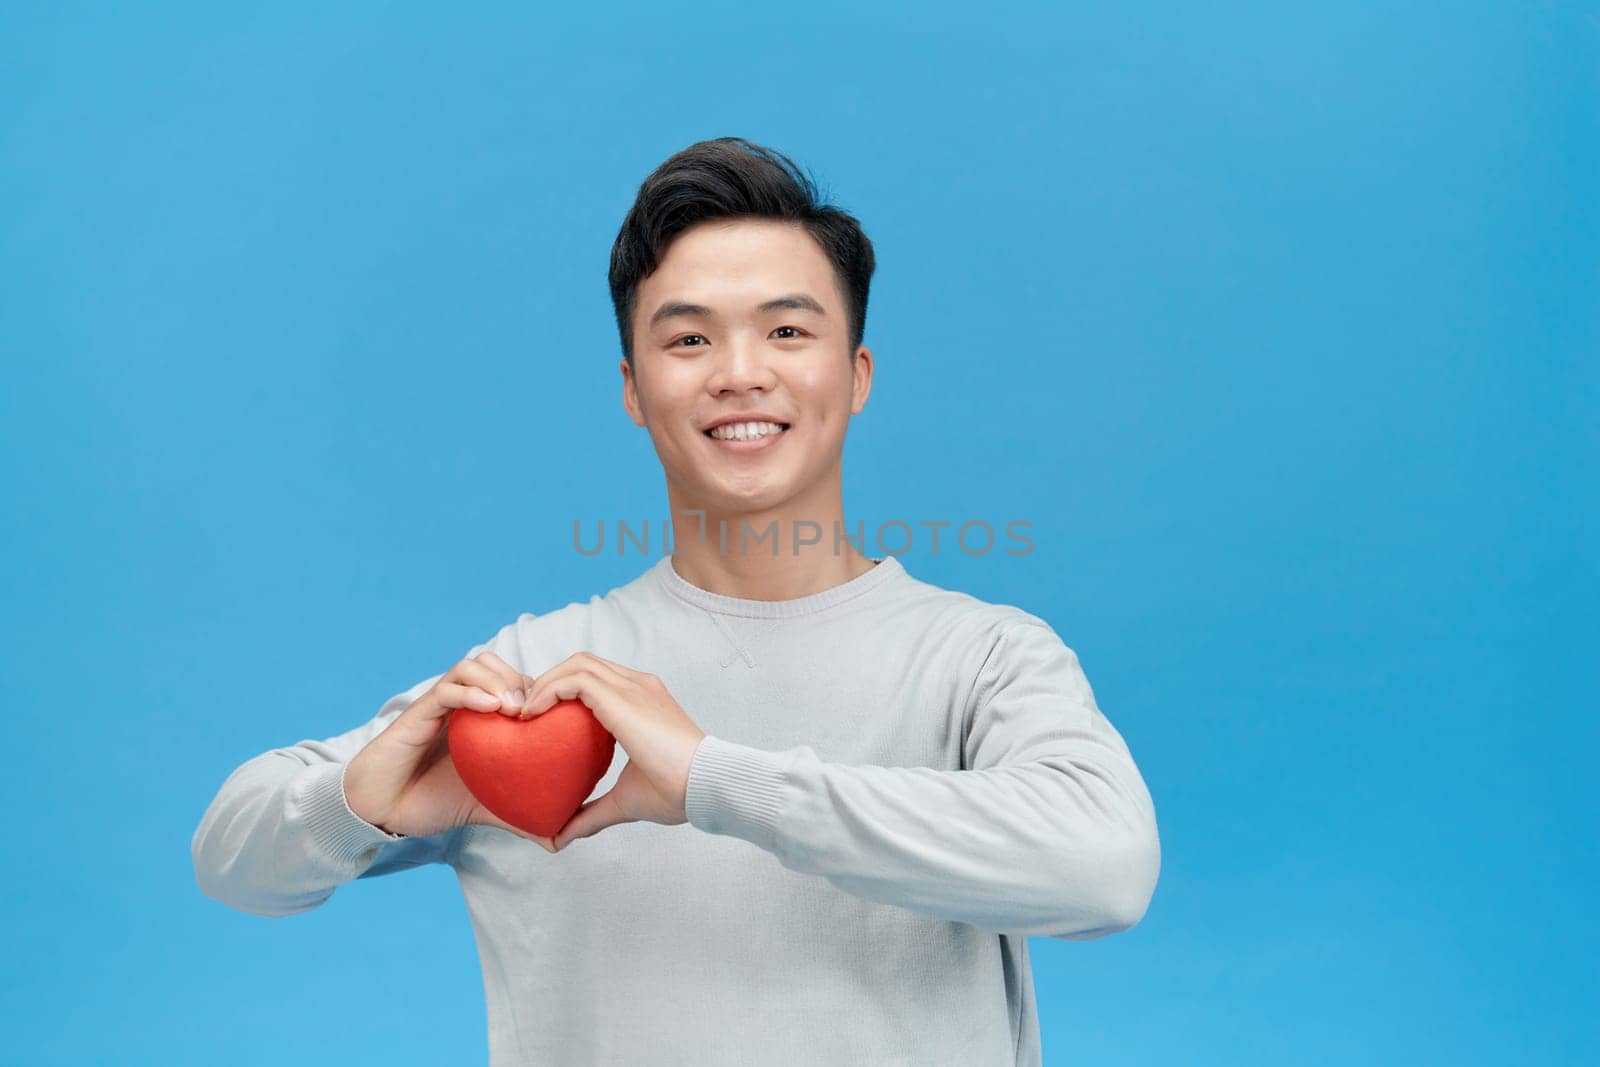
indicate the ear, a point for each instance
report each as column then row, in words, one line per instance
column 630, row 395
column 863, row 380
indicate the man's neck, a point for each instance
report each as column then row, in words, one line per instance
column 732, row 554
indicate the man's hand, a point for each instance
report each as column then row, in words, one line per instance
column 656, row 733
column 404, row 780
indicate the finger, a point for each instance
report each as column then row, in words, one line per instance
column 497, row 679
column 606, row 666
column 444, row 697
column 576, row 663
column 472, row 697
column 581, row 660
column 509, row 676
column 580, row 683
column 591, row 818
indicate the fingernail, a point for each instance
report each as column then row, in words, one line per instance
column 511, row 698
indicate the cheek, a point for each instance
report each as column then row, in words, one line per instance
column 830, row 403
column 822, row 390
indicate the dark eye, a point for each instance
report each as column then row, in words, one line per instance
column 686, row 337
column 794, row 328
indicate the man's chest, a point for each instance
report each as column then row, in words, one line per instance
column 852, row 697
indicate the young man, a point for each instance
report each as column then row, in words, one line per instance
column 888, row 786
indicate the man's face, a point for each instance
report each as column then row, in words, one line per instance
column 705, row 349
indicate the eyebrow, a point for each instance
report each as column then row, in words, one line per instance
column 793, row 301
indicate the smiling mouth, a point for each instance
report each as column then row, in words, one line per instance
column 783, row 428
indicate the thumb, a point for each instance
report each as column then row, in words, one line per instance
column 591, row 818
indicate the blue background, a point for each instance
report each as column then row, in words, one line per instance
column 1279, row 325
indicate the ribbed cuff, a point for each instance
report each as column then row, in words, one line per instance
column 735, row 790
column 317, row 797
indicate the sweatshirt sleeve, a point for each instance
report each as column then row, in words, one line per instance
column 279, row 836
column 1048, row 829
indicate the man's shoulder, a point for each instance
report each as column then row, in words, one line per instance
column 642, row 584
column 937, row 605
column 536, row 639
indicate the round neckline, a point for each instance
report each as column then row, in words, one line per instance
column 885, row 569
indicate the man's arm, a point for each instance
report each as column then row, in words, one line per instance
column 279, row 837
column 1050, row 831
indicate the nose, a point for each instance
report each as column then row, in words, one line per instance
column 740, row 366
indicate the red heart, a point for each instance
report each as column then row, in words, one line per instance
column 533, row 773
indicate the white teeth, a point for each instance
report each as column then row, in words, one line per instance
column 745, row 431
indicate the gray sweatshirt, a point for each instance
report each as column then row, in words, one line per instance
column 899, row 785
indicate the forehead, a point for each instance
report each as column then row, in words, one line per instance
column 729, row 264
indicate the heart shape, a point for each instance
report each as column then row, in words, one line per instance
column 533, row 773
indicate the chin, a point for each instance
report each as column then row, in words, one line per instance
column 732, row 501
column 741, row 504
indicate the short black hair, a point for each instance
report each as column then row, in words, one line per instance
column 732, row 178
